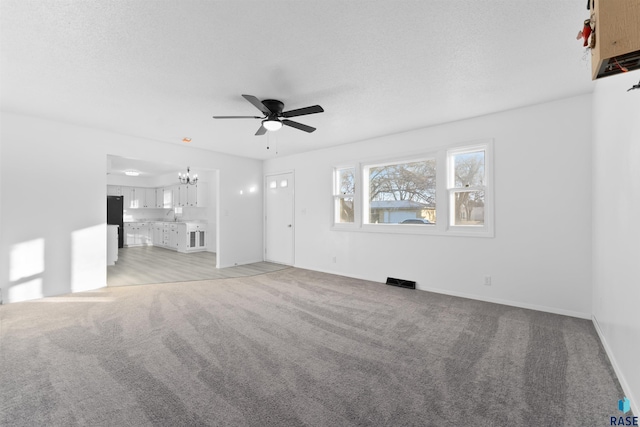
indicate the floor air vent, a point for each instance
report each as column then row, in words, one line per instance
column 401, row 283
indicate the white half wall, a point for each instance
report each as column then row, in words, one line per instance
column 541, row 253
column 616, row 230
column 53, row 210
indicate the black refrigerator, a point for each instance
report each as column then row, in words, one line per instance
column 114, row 216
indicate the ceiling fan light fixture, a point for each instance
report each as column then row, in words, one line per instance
column 272, row 125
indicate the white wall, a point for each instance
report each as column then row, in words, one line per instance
column 616, row 225
column 541, row 252
column 53, row 177
column 130, row 181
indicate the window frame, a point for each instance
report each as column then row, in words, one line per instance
column 443, row 226
column 364, row 196
column 486, row 229
column 336, row 196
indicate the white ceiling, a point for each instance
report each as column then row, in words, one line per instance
column 160, row 69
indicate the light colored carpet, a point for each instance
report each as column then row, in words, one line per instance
column 292, row 348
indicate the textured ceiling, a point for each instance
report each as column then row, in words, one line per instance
column 160, row 69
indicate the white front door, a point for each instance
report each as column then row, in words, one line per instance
column 278, row 221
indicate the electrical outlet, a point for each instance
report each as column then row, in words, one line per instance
column 334, row 259
column 487, row 280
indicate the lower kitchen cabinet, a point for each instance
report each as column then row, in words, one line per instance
column 196, row 237
column 192, row 237
column 177, row 236
column 136, row 234
column 156, row 232
column 170, row 236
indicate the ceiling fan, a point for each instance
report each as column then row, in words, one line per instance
column 273, row 115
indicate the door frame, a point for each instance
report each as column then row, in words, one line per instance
column 293, row 214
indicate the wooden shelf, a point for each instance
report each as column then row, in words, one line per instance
column 617, row 31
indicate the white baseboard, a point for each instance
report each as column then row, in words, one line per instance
column 239, row 263
column 616, row 368
column 518, row 304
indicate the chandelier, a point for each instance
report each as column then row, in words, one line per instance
column 186, row 179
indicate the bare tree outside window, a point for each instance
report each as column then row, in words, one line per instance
column 468, row 192
column 344, row 195
column 402, row 191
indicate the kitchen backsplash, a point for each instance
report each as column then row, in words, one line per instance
column 151, row 214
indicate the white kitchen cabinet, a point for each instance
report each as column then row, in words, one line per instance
column 196, row 195
column 159, row 197
column 149, row 199
column 114, row 190
column 179, row 195
column 128, row 194
column 144, row 197
column 182, row 240
column 136, row 234
column 183, row 193
column 156, row 233
column 192, row 195
column 139, row 197
column 170, row 236
column 133, row 197
column 196, row 237
column 172, row 195
column 130, row 232
column 192, row 237
column 144, row 234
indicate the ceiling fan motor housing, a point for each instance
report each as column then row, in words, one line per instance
column 274, row 106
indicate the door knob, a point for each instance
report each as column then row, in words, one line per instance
column 289, row 225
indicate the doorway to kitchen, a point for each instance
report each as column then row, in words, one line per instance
column 166, row 226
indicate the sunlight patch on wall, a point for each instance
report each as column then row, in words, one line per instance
column 88, row 257
column 31, row 289
column 26, row 259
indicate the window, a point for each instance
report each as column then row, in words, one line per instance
column 401, row 193
column 344, row 195
column 446, row 192
column 466, row 185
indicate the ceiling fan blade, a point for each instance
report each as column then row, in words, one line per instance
column 261, row 131
column 256, row 103
column 303, row 111
column 298, row 125
column 236, row 117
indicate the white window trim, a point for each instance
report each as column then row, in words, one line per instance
column 485, row 230
column 443, row 207
column 334, row 196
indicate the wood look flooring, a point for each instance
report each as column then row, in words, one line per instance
column 150, row 264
